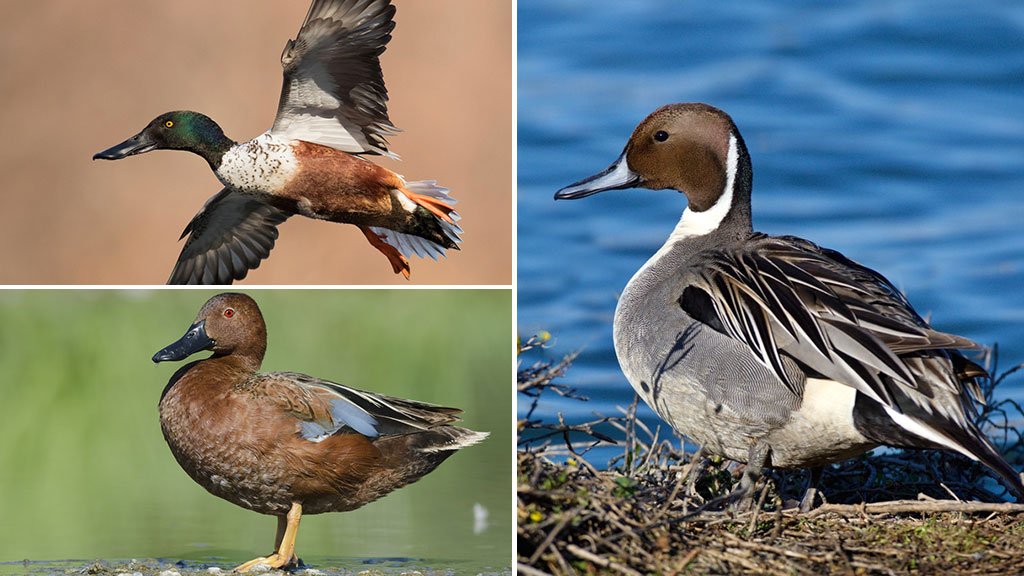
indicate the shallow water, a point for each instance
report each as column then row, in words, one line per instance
column 890, row 131
column 215, row 566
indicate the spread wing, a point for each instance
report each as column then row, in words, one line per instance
column 333, row 92
column 787, row 296
column 323, row 408
column 229, row 236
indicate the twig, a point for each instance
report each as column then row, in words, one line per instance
column 915, row 507
column 685, row 561
column 529, row 570
column 600, row 561
column 566, row 517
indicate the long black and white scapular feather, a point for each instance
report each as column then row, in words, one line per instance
column 785, row 297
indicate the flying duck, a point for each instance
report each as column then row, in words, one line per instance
column 332, row 113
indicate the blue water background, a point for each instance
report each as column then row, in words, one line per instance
column 890, row 131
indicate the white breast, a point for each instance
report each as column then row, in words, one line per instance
column 261, row 165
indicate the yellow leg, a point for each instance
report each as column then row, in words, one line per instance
column 285, row 554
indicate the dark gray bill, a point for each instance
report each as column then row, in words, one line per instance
column 195, row 340
column 137, row 144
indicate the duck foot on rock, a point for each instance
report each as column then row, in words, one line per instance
column 275, row 561
column 287, row 528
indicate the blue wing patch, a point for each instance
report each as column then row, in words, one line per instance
column 344, row 413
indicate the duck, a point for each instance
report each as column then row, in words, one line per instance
column 287, row 444
column 771, row 350
column 312, row 161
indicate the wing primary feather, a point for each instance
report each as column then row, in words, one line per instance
column 229, row 236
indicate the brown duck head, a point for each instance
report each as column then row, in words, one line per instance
column 229, row 324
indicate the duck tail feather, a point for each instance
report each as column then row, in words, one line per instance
column 411, row 244
column 434, row 229
column 986, row 453
column 434, row 198
column 966, row 439
column 457, row 438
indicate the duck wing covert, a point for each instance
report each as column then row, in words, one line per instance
column 333, row 92
column 787, row 297
column 324, row 408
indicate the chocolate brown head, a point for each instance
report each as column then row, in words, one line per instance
column 228, row 324
column 685, row 147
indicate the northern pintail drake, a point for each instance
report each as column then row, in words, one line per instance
column 771, row 350
column 288, row 444
column 332, row 112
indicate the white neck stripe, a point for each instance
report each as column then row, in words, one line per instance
column 700, row 223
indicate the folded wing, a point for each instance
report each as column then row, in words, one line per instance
column 785, row 296
column 323, row 408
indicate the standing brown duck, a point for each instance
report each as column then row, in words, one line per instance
column 284, row 443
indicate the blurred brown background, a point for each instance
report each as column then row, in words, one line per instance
column 78, row 77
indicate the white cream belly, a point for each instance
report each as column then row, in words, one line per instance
column 825, row 412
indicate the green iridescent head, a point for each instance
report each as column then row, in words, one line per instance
column 179, row 130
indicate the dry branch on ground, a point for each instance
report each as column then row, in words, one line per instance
column 655, row 509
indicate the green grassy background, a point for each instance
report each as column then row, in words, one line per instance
column 85, row 472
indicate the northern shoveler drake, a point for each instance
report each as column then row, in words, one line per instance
column 287, row 444
column 771, row 350
column 333, row 111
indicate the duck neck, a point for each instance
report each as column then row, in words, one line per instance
column 726, row 221
column 212, row 377
column 202, row 136
column 730, row 214
column 737, row 222
column 212, row 148
column 248, row 358
column 248, row 364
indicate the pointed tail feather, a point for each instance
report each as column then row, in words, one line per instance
column 966, row 439
column 988, row 455
column 455, row 438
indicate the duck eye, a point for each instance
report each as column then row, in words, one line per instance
column 169, row 123
column 661, row 135
column 228, row 313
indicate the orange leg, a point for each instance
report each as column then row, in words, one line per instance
column 399, row 263
column 439, row 208
column 285, row 554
